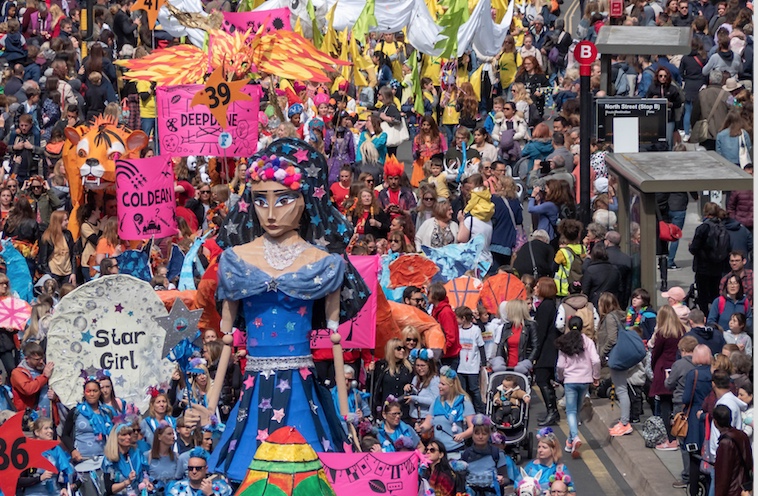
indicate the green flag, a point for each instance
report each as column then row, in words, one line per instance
column 318, row 38
column 450, row 21
column 365, row 21
column 418, row 94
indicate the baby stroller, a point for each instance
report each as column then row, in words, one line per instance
column 517, row 435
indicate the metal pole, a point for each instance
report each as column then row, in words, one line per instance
column 585, row 130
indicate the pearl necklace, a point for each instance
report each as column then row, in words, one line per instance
column 280, row 256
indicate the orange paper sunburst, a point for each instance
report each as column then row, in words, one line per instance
column 412, row 270
column 283, row 53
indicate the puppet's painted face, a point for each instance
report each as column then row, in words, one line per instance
column 279, row 209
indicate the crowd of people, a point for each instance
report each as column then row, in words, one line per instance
column 494, row 160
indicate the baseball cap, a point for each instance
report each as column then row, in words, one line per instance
column 676, row 293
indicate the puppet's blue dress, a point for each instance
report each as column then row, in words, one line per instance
column 279, row 387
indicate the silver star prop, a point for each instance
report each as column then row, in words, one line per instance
column 179, row 324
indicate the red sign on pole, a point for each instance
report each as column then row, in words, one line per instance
column 585, row 53
column 617, row 8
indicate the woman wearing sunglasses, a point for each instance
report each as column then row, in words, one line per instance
column 424, row 390
column 390, row 375
column 440, row 476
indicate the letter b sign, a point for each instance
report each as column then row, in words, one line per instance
column 585, row 53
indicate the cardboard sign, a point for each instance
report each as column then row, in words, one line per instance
column 186, row 130
column 273, row 20
column 109, row 323
column 360, row 331
column 368, row 473
column 145, row 195
column 19, row 453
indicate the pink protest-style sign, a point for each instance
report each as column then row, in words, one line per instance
column 271, row 20
column 184, row 129
column 351, row 474
column 585, row 53
column 617, row 8
column 360, row 331
column 14, row 313
column 145, row 196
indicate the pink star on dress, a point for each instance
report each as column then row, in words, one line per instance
column 258, row 322
column 325, row 443
column 249, row 382
column 262, row 435
column 119, row 307
column 301, row 156
column 278, row 415
column 302, row 311
column 243, row 205
column 305, row 372
column 319, row 192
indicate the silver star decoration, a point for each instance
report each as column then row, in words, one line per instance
column 317, row 280
column 321, row 241
column 267, row 373
column 180, row 315
column 91, row 371
column 312, row 170
column 271, row 285
column 347, row 294
column 314, row 407
column 231, row 228
column 120, row 381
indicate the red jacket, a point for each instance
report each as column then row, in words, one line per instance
column 25, row 389
column 443, row 313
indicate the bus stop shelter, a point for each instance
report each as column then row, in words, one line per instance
column 639, row 40
column 642, row 175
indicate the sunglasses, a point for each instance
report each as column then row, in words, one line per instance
column 193, row 468
column 431, row 450
column 409, row 340
column 395, row 241
column 371, row 181
column 399, row 348
column 205, row 192
column 36, row 187
column 417, row 300
column 428, row 199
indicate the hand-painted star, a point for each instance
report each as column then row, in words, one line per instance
column 11, row 434
column 302, row 156
column 305, row 372
column 120, row 381
column 321, row 241
column 262, row 435
column 249, row 382
column 219, row 94
column 119, row 307
column 181, row 323
column 267, row 373
column 290, row 326
column 302, row 311
column 312, row 170
column 243, row 205
column 130, row 313
column 151, row 7
column 278, row 415
column 347, row 294
column 283, row 385
column 265, row 404
column 258, row 322
column 319, row 192
column 87, row 336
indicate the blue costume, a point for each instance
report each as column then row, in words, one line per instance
column 118, row 471
column 534, row 466
column 62, row 461
column 450, row 420
column 279, row 363
column 182, row 488
column 387, row 440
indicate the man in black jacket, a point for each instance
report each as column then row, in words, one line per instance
column 623, row 264
column 123, row 27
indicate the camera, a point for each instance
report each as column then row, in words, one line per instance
column 691, row 447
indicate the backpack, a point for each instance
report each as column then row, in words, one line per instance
column 565, row 277
column 628, row 351
column 535, row 117
column 722, row 304
column 622, row 83
column 653, row 432
column 587, row 314
column 718, row 243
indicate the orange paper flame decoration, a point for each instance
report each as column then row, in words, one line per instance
column 283, row 53
column 412, row 270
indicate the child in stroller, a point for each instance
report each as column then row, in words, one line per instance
column 508, row 402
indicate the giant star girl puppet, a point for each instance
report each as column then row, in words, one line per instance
column 283, row 269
